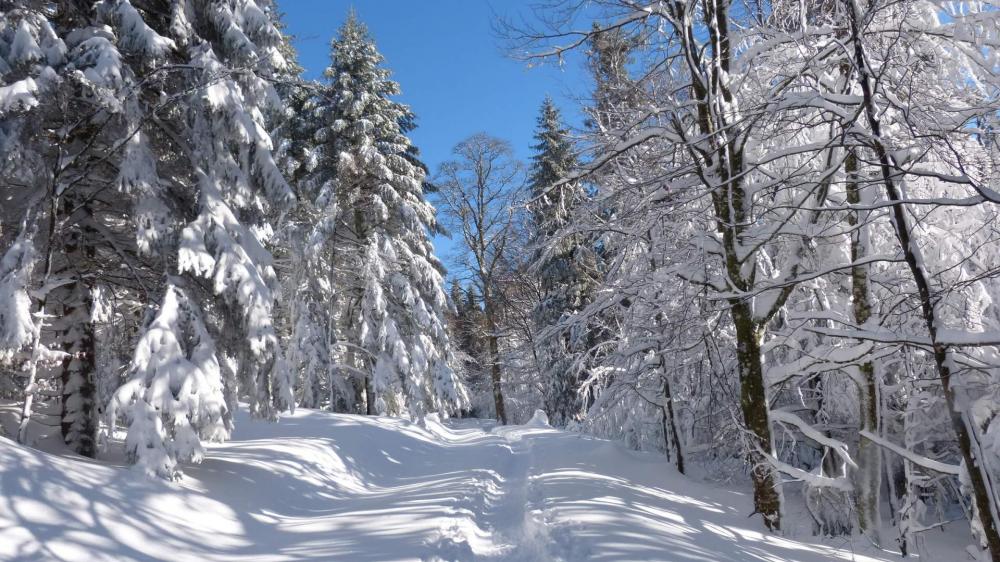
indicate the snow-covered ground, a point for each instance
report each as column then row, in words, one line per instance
column 340, row 487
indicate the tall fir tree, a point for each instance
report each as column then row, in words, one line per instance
column 309, row 312
column 62, row 134
column 135, row 140
column 374, row 224
column 566, row 264
column 209, row 154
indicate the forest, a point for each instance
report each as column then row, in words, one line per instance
column 767, row 258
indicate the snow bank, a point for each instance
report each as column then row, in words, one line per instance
column 538, row 419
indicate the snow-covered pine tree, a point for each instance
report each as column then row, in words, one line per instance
column 67, row 145
column 16, row 325
column 302, row 246
column 23, row 64
column 29, row 48
column 369, row 187
column 175, row 397
column 21, row 347
column 566, row 265
column 197, row 162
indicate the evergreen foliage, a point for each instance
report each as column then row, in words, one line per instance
column 566, row 266
column 371, row 230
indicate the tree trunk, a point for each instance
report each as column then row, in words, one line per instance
column 365, row 387
column 369, row 396
column 978, row 472
column 494, row 345
column 753, row 402
column 669, row 422
column 868, row 477
column 78, row 412
column 360, row 400
column 670, row 435
column 31, row 385
column 725, row 163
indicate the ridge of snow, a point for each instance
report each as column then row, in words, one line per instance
column 539, row 419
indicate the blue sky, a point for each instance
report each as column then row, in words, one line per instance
column 451, row 66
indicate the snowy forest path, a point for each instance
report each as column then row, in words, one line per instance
column 322, row 486
column 502, row 505
column 514, row 515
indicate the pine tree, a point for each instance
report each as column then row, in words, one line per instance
column 375, row 220
column 308, row 312
column 67, row 145
column 16, row 325
column 175, row 396
column 195, row 179
column 554, row 197
column 566, row 266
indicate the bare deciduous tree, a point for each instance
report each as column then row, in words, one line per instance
column 481, row 195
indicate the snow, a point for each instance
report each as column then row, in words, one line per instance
column 136, row 35
column 24, row 49
column 17, row 328
column 539, row 419
column 342, row 487
column 175, row 393
column 18, row 96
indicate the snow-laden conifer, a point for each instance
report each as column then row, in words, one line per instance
column 566, row 265
column 198, row 166
column 174, row 397
column 374, row 220
column 57, row 136
column 17, row 327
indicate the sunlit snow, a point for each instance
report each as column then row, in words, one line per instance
column 323, row 486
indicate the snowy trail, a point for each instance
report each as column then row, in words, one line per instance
column 320, row 486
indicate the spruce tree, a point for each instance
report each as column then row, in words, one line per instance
column 375, row 221
column 566, row 266
column 142, row 134
column 62, row 134
column 308, row 312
